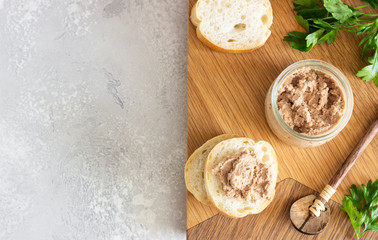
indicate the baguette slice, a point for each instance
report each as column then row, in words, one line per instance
column 195, row 166
column 232, row 26
column 235, row 207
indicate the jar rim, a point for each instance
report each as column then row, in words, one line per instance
column 342, row 82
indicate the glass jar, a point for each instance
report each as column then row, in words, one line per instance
column 282, row 130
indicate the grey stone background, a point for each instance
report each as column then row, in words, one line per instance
column 92, row 119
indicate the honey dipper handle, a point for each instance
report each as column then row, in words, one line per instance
column 330, row 189
column 356, row 152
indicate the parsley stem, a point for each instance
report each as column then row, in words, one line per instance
column 362, row 6
column 348, row 30
column 357, row 232
column 367, row 19
column 326, row 18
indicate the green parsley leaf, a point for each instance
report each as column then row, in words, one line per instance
column 298, row 41
column 362, row 208
column 322, row 24
column 305, row 4
column 357, row 196
column 316, row 12
column 370, row 193
column 339, row 10
column 303, row 22
column 370, row 71
column 312, row 38
column 328, row 37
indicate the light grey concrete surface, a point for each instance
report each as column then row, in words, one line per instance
column 92, row 119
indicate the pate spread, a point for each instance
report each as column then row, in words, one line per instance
column 243, row 176
column 310, row 101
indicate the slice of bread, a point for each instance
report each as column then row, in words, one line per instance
column 238, row 207
column 195, row 166
column 232, row 26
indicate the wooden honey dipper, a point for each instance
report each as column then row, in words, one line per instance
column 310, row 214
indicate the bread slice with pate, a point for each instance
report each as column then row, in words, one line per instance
column 262, row 176
column 232, row 26
column 195, row 166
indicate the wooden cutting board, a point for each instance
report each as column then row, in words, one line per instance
column 226, row 94
column 274, row 222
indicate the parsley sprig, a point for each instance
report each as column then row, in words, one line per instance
column 323, row 22
column 362, row 207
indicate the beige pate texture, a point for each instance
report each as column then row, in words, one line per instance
column 243, row 176
column 310, row 102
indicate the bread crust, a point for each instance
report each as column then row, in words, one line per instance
column 194, row 159
column 193, row 15
column 213, row 46
column 196, row 21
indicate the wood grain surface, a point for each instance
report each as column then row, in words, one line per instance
column 274, row 222
column 226, row 94
column 354, row 155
